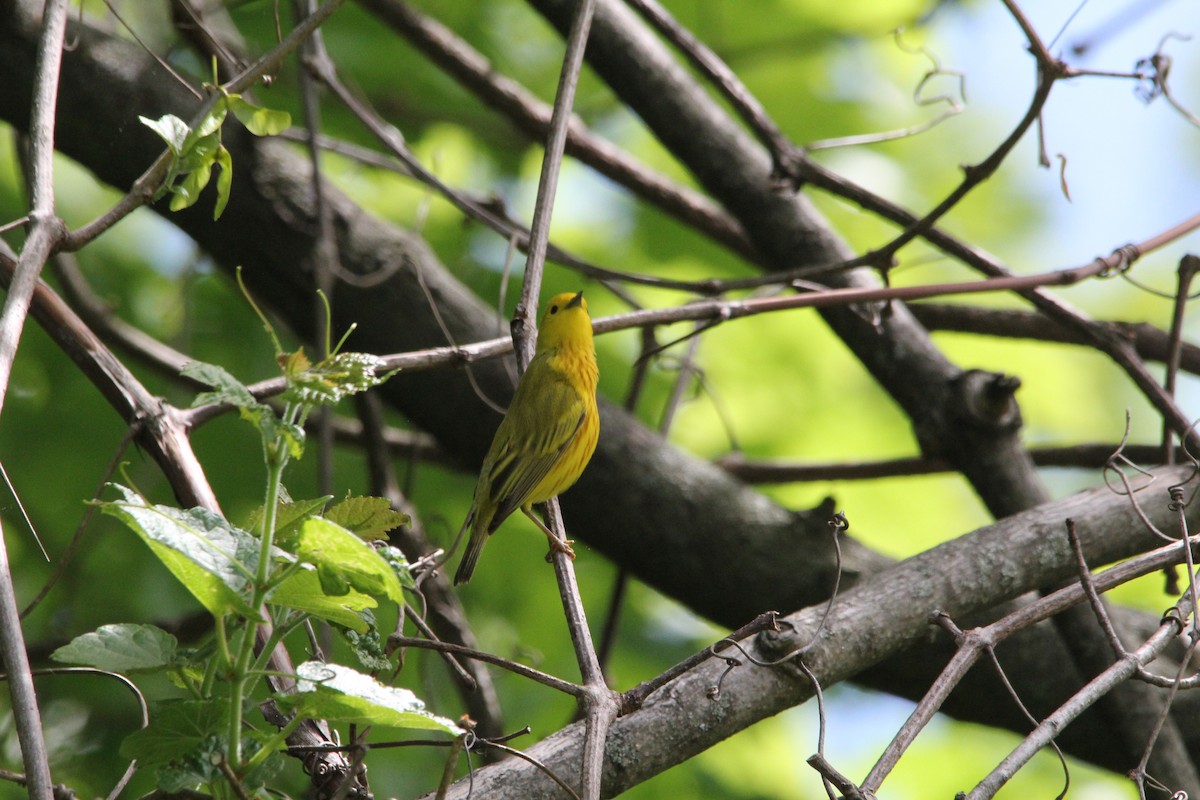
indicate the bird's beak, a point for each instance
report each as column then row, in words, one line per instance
column 577, row 300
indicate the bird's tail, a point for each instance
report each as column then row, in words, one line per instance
column 474, row 547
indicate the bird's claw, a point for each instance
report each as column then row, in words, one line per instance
column 560, row 546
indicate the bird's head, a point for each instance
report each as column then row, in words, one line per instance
column 566, row 321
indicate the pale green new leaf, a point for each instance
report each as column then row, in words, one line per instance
column 212, row 121
column 224, row 181
column 187, row 191
column 120, row 648
column 345, row 562
column 259, row 121
column 171, row 129
column 341, row 694
column 303, row 591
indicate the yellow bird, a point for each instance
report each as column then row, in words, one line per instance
column 549, row 433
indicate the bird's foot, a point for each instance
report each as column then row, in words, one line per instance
column 563, row 546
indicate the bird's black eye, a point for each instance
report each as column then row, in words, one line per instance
column 553, row 309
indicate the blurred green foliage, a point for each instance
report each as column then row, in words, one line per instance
column 822, row 69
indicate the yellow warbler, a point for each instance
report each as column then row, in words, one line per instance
column 549, row 433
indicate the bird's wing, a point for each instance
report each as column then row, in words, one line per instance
column 522, row 464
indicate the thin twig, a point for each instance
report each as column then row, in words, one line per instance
column 480, row 77
column 973, row 644
column 636, row 696
column 1149, row 342
column 1188, row 266
column 326, row 263
column 1081, row 701
column 724, row 78
column 45, row 231
column 1087, row 581
column 566, row 687
column 716, row 310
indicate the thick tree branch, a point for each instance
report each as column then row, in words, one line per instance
column 867, row 625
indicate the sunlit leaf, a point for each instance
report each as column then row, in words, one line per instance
column 346, row 562
column 214, row 560
column 187, row 191
column 212, row 121
column 338, row 376
column 259, row 121
column 341, row 694
column 303, row 591
column 171, row 129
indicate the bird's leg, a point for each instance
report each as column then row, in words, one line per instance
column 561, row 545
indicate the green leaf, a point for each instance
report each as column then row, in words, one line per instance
column 171, row 129
column 288, row 517
column 345, row 562
column 369, row 517
column 224, row 181
column 121, row 648
column 214, row 560
column 177, row 730
column 212, row 121
column 187, row 191
column 303, row 591
column 226, row 388
column 200, row 152
column 340, row 694
column 259, row 121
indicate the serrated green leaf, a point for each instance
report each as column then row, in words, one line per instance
column 171, row 129
column 259, row 121
column 341, row 694
column 369, row 517
column 120, row 648
column 226, row 388
column 177, row 730
column 224, row 181
column 345, row 562
column 214, row 560
column 303, row 591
